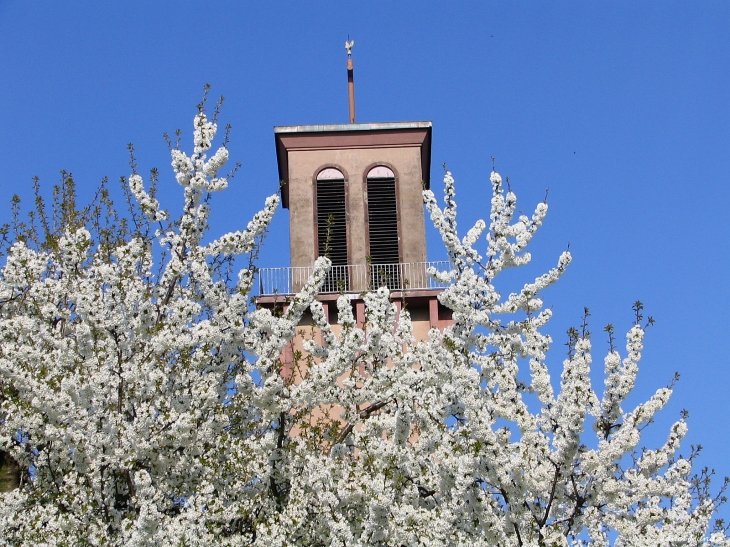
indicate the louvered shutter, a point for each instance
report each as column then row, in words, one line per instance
column 332, row 227
column 383, row 228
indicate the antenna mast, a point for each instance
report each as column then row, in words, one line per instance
column 350, row 78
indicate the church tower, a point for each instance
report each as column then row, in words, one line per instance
column 354, row 194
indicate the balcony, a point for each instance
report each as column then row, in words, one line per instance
column 353, row 278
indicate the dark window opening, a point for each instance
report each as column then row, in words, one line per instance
column 383, row 229
column 332, row 228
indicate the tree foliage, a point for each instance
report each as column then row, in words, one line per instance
column 144, row 400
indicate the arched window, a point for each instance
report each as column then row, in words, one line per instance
column 332, row 226
column 383, row 227
column 382, row 216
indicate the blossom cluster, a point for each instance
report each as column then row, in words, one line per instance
column 150, row 404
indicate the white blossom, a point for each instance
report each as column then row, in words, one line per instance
column 152, row 405
column 149, row 205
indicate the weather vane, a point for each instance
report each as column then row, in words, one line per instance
column 348, row 46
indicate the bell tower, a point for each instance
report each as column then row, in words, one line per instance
column 354, row 194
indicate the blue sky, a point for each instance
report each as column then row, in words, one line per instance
column 620, row 108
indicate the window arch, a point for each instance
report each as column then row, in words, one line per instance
column 382, row 216
column 332, row 225
column 383, row 227
column 330, row 173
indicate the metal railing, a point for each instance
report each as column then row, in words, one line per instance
column 352, row 278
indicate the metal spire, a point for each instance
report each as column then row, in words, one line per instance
column 350, row 78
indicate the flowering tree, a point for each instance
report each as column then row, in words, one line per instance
column 144, row 399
